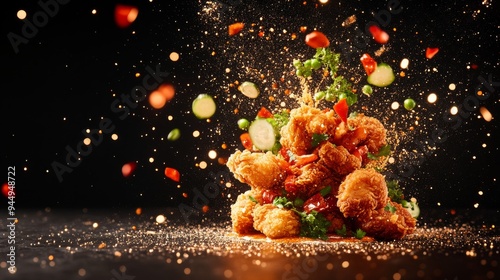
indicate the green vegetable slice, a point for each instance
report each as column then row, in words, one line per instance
column 249, row 89
column 204, row 106
column 262, row 134
column 382, row 76
column 412, row 207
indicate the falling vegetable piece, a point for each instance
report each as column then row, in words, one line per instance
column 128, row 168
column 243, row 124
column 316, row 40
column 235, row 28
column 174, row 134
column 341, row 108
column 125, row 15
column 246, row 141
column 369, row 64
column 367, row 90
column 173, row 174
column 382, row 76
column 409, row 104
column 378, row 34
column 5, row 189
column 262, row 134
column 204, row 106
column 431, row 52
column 264, row 113
column 249, row 89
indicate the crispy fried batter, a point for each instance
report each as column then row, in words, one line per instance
column 275, row 222
column 382, row 224
column 376, row 133
column 362, row 191
column 338, row 159
column 311, row 178
column 304, row 122
column 260, row 170
column 242, row 213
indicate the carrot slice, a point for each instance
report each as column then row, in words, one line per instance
column 235, row 28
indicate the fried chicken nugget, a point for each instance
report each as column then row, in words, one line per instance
column 387, row 225
column 275, row 222
column 376, row 132
column 338, row 159
column 305, row 121
column 259, row 170
column 362, row 191
column 311, row 178
column 242, row 213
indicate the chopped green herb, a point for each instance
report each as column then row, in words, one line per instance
column 384, row 151
column 394, row 191
column 298, row 202
column 253, row 199
column 390, row 208
column 326, row 190
column 359, row 234
column 313, row 225
column 342, row 232
column 317, row 138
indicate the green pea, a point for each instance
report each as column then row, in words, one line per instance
column 367, row 89
column 243, row 124
column 330, row 96
column 315, row 64
column 308, row 64
column 319, row 95
column 409, row 104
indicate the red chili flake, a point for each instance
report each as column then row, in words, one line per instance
column 431, row 52
column 378, row 34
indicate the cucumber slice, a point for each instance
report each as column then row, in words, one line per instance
column 412, row 207
column 382, row 76
column 249, row 89
column 204, row 106
column 262, row 134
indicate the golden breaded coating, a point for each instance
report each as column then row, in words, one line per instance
column 275, row 222
column 260, row 170
column 383, row 224
column 376, row 132
column 242, row 213
column 311, row 178
column 338, row 159
column 304, row 122
column 362, row 191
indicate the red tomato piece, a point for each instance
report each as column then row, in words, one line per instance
column 317, row 39
column 235, row 28
column 172, row 173
column 341, row 108
column 128, row 168
column 268, row 196
column 361, row 152
column 264, row 113
column 5, row 189
column 290, row 185
column 378, row 34
column 369, row 64
column 315, row 202
column 125, row 15
column 246, row 141
column 431, row 52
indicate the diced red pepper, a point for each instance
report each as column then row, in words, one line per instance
column 264, row 113
column 290, row 185
column 319, row 203
column 369, row 64
column 317, row 39
column 341, row 108
column 378, row 34
column 235, row 28
column 268, row 196
column 361, row 152
column 431, row 52
column 246, row 141
column 125, row 15
column 172, row 173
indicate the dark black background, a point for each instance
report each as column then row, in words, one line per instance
column 62, row 82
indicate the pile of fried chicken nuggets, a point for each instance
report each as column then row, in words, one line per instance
column 358, row 197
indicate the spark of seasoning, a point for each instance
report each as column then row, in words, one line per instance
column 487, row 116
column 432, row 98
column 21, row 14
